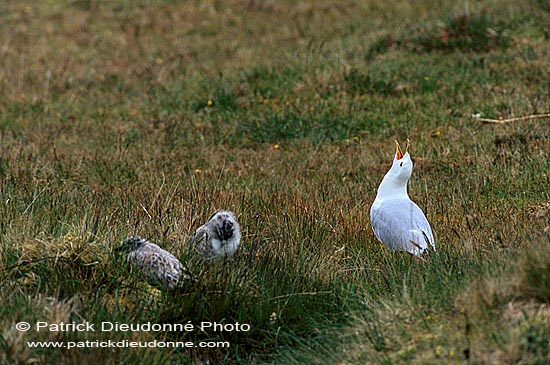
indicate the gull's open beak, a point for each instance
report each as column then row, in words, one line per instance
column 398, row 153
column 408, row 145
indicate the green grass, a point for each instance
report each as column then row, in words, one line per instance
column 145, row 117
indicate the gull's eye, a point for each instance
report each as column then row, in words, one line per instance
column 401, row 164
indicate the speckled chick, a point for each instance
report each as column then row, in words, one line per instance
column 157, row 266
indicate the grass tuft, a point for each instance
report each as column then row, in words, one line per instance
column 460, row 32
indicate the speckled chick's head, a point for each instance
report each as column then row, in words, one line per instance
column 130, row 244
column 220, row 236
column 224, row 225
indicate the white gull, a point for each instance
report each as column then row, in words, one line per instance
column 396, row 220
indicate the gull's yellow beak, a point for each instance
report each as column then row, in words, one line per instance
column 398, row 153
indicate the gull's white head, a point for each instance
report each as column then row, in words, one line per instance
column 402, row 165
column 395, row 180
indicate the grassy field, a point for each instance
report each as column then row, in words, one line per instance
column 138, row 117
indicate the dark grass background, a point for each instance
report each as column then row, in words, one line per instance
column 122, row 118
